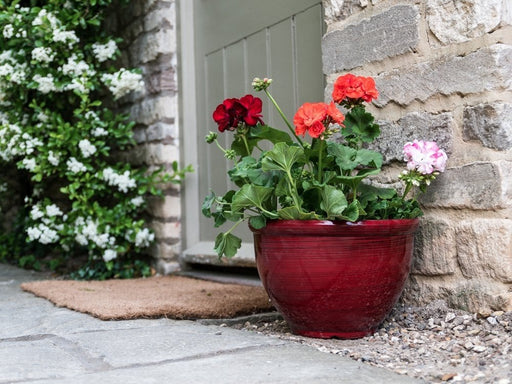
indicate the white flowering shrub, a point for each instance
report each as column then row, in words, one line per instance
column 56, row 75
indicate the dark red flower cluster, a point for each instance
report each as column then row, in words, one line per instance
column 232, row 112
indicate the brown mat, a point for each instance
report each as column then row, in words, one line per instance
column 174, row 297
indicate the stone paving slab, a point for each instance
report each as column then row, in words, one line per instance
column 45, row 344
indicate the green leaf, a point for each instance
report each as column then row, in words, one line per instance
column 257, row 222
column 359, row 125
column 227, row 244
column 250, row 196
column 282, row 158
column 354, row 181
column 351, row 213
column 369, row 158
column 345, row 157
column 333, row 202
column 264, row 132
column 207, row 204
column 292, row 213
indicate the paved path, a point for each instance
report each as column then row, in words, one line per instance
column 40, row 343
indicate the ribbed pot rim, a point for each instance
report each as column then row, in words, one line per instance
column 339, row 227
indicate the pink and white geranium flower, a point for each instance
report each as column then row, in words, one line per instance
column 425, row 157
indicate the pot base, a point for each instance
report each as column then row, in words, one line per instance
column 335, row 335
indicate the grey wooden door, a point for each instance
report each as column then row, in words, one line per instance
column 233, row 42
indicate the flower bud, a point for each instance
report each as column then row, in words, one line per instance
column 261, row 85
column 211, row 137
column 230, row 154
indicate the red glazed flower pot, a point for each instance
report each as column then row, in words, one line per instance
column 334, row 278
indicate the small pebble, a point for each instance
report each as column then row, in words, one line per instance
column 432, row 343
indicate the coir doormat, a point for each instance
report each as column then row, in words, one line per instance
column 174, row 297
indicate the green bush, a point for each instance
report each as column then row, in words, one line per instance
column 59, row 131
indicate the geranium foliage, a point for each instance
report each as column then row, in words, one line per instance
column 59, row 133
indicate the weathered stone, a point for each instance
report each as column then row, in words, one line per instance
column 475, row 295
column 491, row 124
column 149, row 46
column 164, row 208
column 463, row 20
column 390, row 33
column 151, row 110
column 161, row 132
column 415, row 125
column 435, row 252
column 161, row 154
column 159, row 18
column 477, row 186
column 341, row 9
column 484, row 70
column 166, row 230
column 484, row 248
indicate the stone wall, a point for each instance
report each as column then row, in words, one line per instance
column 148, row 28
column 444, row 72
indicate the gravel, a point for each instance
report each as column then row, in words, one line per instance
column 434, row 343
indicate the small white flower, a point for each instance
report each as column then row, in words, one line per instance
column 29, row 164
column 144, row 237
column 103, row 52
column 65, row 36
column 81, row 239
column 53, row 210
column 43, row 54
column 87, row 148
column 109, row 255
column 8, row 31
column 52, row 159
column 33, row 233
column 137, row 201
column 98, row 132
column 123, row 82
column 36, row 213
column 45, row 83
column 123, row 182
column 75, row 166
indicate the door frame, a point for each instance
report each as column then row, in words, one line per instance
column 193, row 249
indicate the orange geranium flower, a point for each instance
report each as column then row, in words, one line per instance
column 313, row 118
column 354, row 87
column 310, row 118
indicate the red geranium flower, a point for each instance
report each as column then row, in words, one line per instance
column 253, row 106
column 354, row 87
column 232, row 112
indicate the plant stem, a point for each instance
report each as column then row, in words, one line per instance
column 246, row 145
column 408, row 187
column 285, row 119
column 320, row 160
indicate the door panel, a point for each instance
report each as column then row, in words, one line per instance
column 235, row 41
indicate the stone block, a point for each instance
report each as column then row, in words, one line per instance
column 477, row 186
column 475, row 295
column 164, row 208
column 390, row 33
column 341, row 9
column 491, row 124
column 154, row 109
column 415, row 125
column 161, row 132
column 454, row 22
column 162, row 17
column 147, row 47
column 483, row 70
column 435, row 251
column 166, row 230
column 157, row 154
column 484, row 248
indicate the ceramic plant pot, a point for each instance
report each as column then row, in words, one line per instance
column 334, row 278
